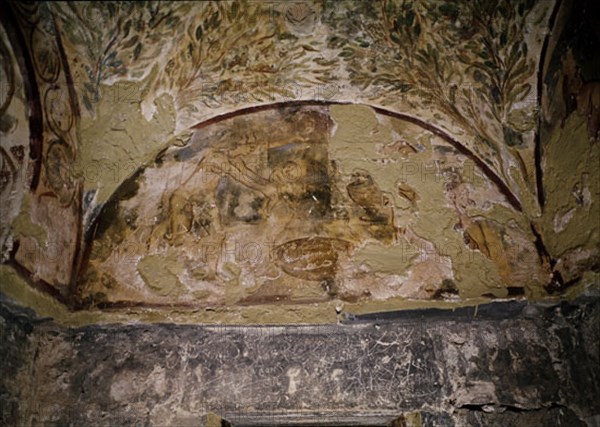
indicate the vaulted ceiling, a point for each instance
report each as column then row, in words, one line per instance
column 293, row 160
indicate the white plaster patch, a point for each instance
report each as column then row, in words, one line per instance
column 336, row 374
column 123, row 388
column 292, row 375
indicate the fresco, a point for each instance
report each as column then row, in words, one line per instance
column 13, row 151
column 570, row 113
column 473, row 65
column 44, row 237
column 305, row 204
column 368, row 151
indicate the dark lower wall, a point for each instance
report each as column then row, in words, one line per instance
column 17, row 348
column 510, row 364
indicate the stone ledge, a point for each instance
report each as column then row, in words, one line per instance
column 512, row 364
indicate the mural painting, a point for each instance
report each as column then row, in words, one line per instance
column 249, row 153
column 300, row 205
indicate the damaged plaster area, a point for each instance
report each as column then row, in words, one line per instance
column 167, row 180
column 305, row 205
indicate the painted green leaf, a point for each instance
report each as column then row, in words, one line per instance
column 463, row 58
column 137, row 51
column 87, row 103
column 233, row 11
column 214, row 20
column 522, row 92
column 490, row 64
column 346, row 52
column 111, row 8
column 410, row 18
column 496, row 94
column 131, row 42
column 89, row 87
column 450, row 10
column 512, row 138
column 479, row 76
column 417, row 29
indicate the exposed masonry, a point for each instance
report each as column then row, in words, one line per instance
column 503, row 364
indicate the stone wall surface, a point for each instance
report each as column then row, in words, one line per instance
column 16, row 350
column 504, row 364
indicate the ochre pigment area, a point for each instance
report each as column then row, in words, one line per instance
column 571, row 224
column 303, row 206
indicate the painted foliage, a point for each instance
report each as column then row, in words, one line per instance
column 173, row 144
